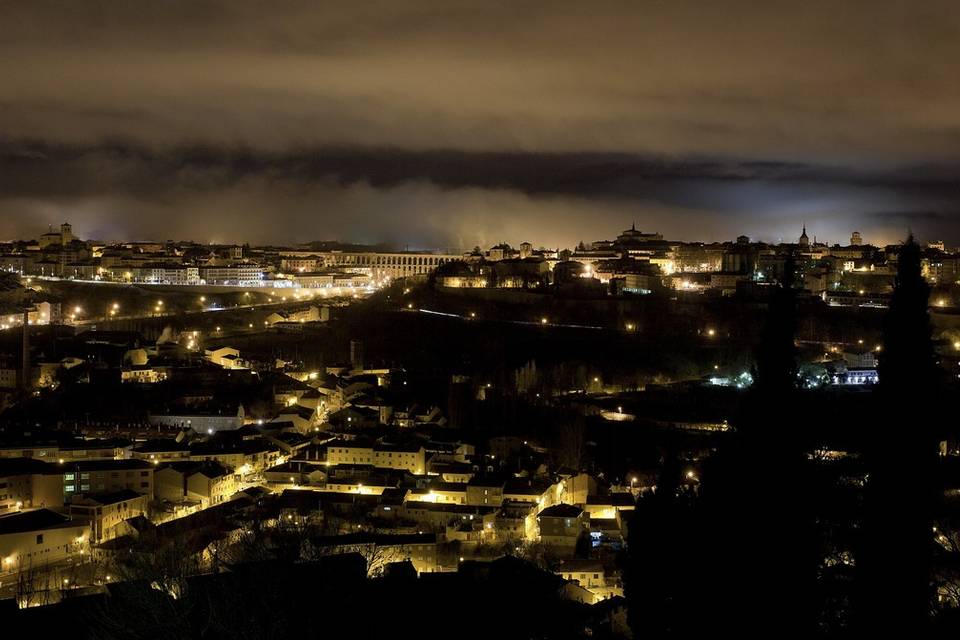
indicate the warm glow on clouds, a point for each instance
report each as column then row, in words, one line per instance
column 861, row 92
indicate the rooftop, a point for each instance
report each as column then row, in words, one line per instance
column 31, row 521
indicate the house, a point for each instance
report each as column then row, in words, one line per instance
column 310, row 313
column 144, row 374
column 208, row 418
column 562, row 524
column 542, row 493
column 103, row 476
column 437, row 516
column 516, row 521
column 440, row 492
column 244, row 456
column 107, row 513
column 38, row 537
column 608, row 506
column 226, row 357
column 373, row 484
column 207, row 482
column 94, row 449
column 161, row 450
column 389, row 456
column 296, row 472
column 574, row 489
column 592, row 576
column 26, row 483
column 485, row 491
column 250, row 456
column 587, row 573
column 451, row 471
column 302, row 418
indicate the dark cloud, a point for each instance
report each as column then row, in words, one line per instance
column 447, row 198
column 451, row 121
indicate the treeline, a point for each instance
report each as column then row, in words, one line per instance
column 776, row 538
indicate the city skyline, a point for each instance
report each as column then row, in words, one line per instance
column 601, row 236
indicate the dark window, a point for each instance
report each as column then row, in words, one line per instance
column 39, row 538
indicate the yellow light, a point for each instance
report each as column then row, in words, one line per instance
column 543, row 321
column 711, row 332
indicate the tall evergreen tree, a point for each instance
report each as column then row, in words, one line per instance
column 659, row 551
column 761, row 573
column 894, row 594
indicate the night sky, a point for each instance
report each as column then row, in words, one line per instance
column 448, row 124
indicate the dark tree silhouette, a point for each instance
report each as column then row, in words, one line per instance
column 894, row 592
column 582, row 548
column 659, row 550
column 759, row 551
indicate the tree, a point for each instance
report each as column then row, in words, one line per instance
column 571, row 441
column 661, row 551
column 760, row 548
column 894, row 593
column 583, row 545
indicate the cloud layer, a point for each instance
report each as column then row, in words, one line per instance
column 457, row 122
